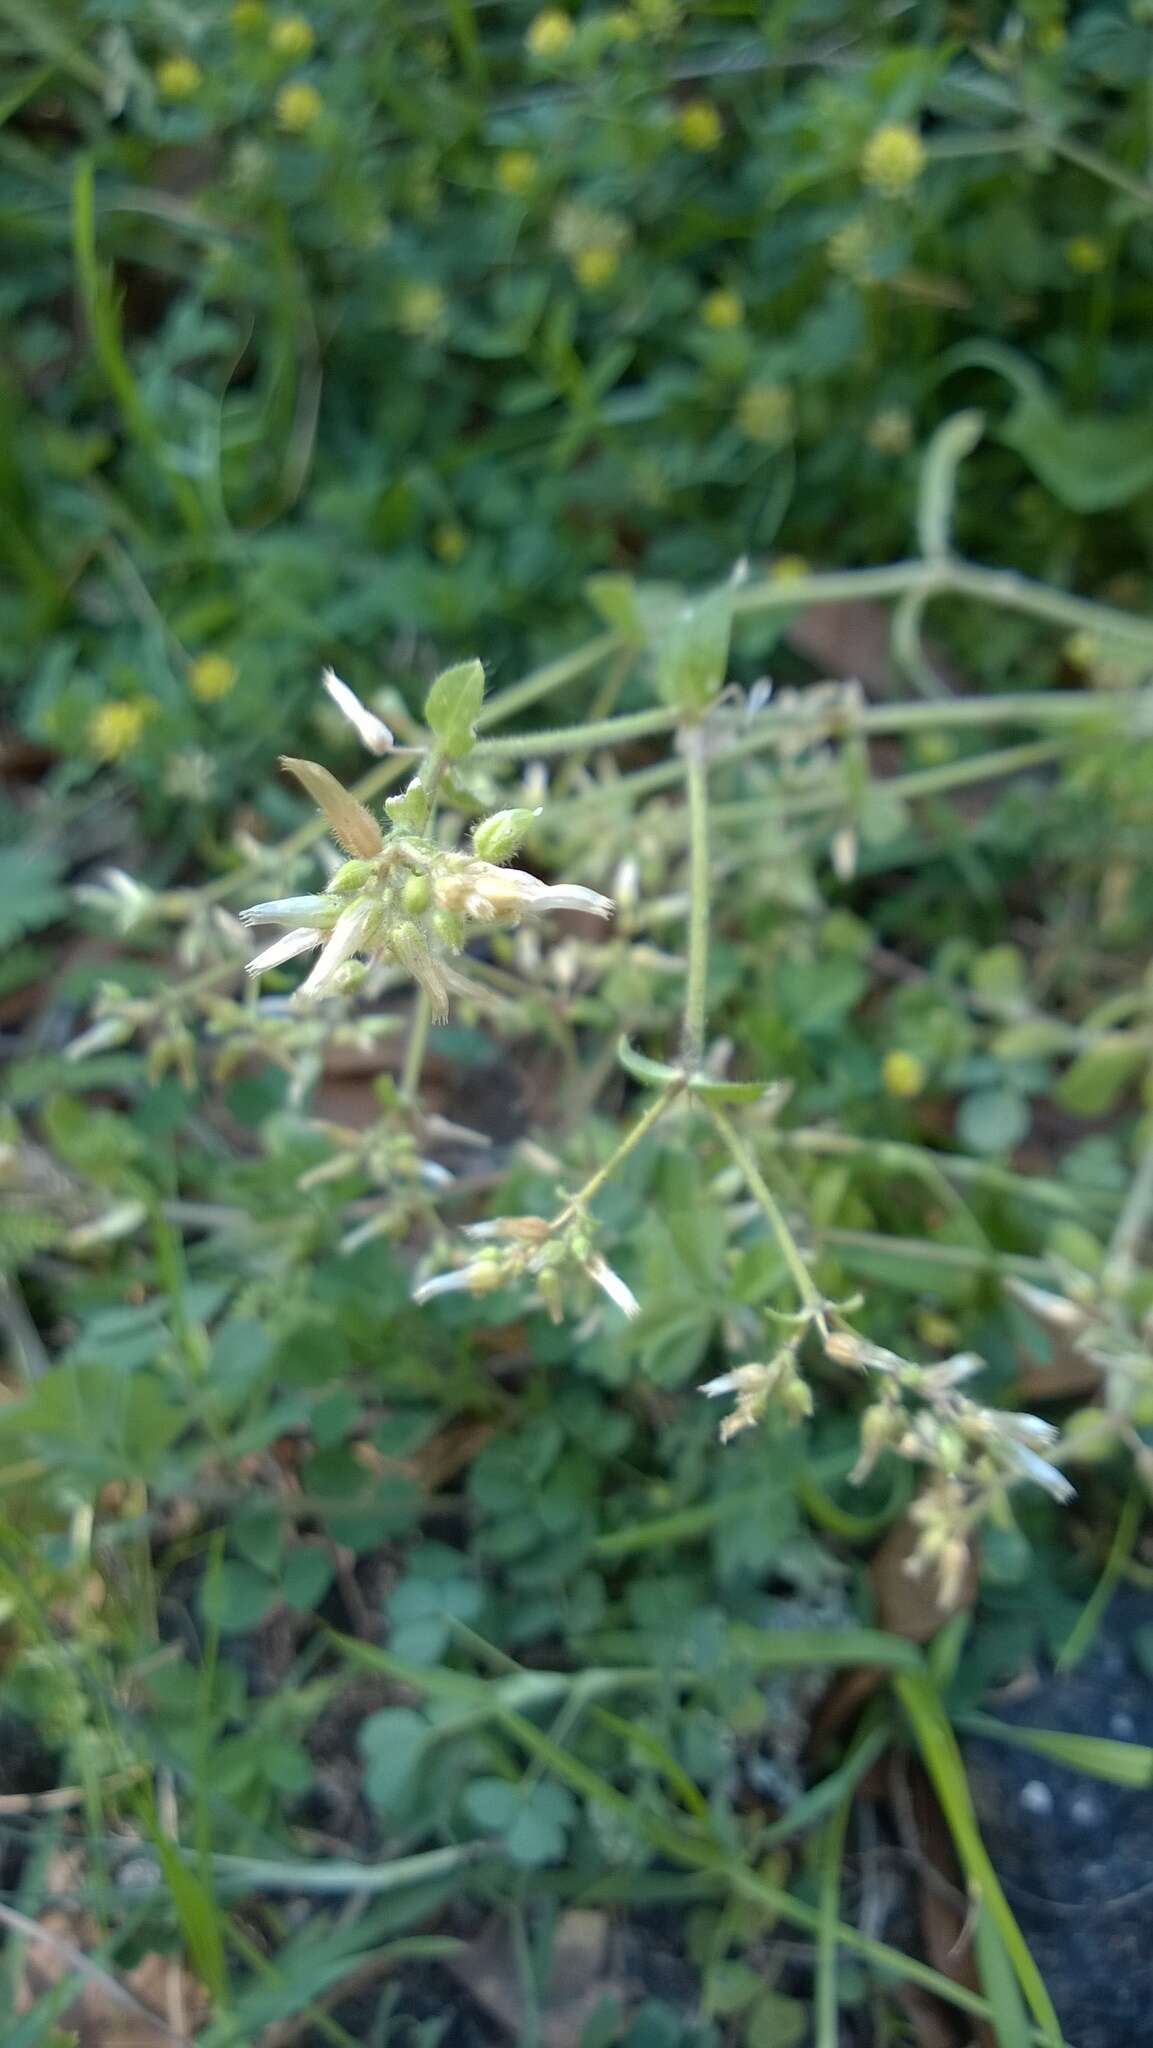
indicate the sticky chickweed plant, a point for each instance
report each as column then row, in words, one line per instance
column 622, row 905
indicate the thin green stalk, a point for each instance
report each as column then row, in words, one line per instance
column 942, row 1760
column 416, row 1046
column 826, row 2015
column 697, row 976
column 742, row 1155
column 578, row 739
column 895, row 1156
column 628, row 1143
column 1132, row 1224
column 1088, row 1621
column 966, row 1258
column 552, row 675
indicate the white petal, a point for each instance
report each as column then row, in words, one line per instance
column 285, row 948
column 288, row 910
column 725, row 1384
column 372, row 730
column 1030, row 1429
column 1042, row 1473
column 459, row 1281
column 571, row 896
column 341, row 944
column 610, row 1283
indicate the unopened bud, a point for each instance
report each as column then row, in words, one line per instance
column 497, row 838
column 416, row 894
column 350, row 977
column 410, row 809
column 352, row 875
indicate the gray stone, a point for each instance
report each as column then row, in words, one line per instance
column 1074, row 1853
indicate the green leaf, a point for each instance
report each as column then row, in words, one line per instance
column 1119, row 1763
column 306, row 1578
column 238, row 1596
column 533, row 1823
column 992, row 1120
column 1091, row 1086
column 452, row 707
column 777, row 2021
column 1089, row 462
column 392, row 1743
column 693, row 652
column 654, row 1073
column 29, row 893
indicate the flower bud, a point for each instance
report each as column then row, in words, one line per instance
column 497, row 838
column 416, row 894
column 350, row 977
column 352, row 875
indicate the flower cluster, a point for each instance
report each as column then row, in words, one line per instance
column 553, row 1254
column 400, row 897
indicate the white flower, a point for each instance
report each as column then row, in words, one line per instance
column 372, row 730
column 610, row 1283
column 479, row 1278
column 317, row 911
column 488, row 894
column 345, row 939
column 284, row 948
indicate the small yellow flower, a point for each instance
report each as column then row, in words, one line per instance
column 1086, row 256
column 449, row 541
column 788, row 569
column 292, row 36
column 596, row 265
column 114, row 729
column 516, row 171
column 893, row 159
column 890, row 431
column 421, row 308
column 177, row 78
column 622, row 26
column 699, row 125
column 765, row 412
column 722, row 309
column 935, row 1329
column 903, row 1073
column 849, row 249
column 298, row 108
column 211, row 676
column 549, row 32
column 248, row 16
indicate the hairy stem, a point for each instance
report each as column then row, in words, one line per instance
column 628, row 1143
column 742, row 1155
column 416, row 1046
column 697, row 978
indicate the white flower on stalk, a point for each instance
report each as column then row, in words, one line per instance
column 530, row 1247
column 371, row 730
column 490, row 895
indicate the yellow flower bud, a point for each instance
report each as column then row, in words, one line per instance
column 421, row 309
column 516, row 171
column 699, row 125
column 298, row 108
column 903, row 1073
column 788, row 569
column 722, row 309
column 893, row 159
column 597, row 265
column 292, row 36
column 449, row 541
column 550, row 32
column 177, row 78
column 1086, row 256
column 211, row 676
column 765, row 413
column 622, row 25
column 115, row 728
column 248, row 16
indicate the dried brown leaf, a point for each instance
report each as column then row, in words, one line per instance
column 909, row 1606
column 351, row 825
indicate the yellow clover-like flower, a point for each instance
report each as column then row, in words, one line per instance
column 211, row 676
column 298, row 108
column 114, row 729
column 549, row 33
column 893, row 159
